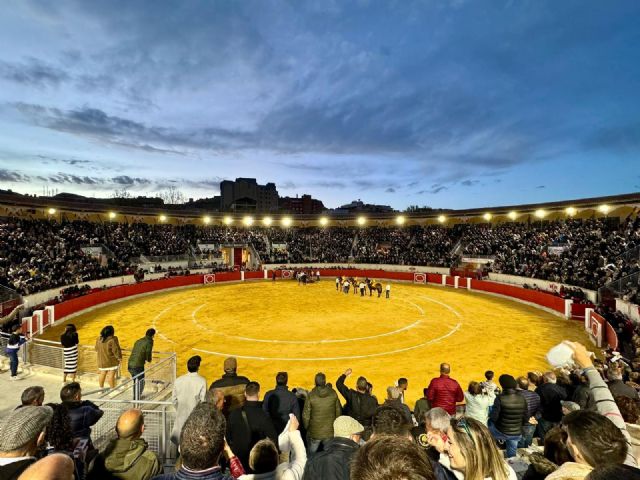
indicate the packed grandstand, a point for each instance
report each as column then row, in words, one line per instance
column 579, row 420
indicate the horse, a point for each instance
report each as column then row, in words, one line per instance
column 374, row 286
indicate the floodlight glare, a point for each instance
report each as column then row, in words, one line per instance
column 163, row 218
column 540, row 213
column 206, row 219
column 112, row 215
column 267, row 221
column 487, row 216
column 52, row 211
column 513, row 215
column 604, row 208
column 324, row 221
column 400, row 219
column 227, row 220
column 286, row 221
column 571, row 211
column 442, row 218
column 247, row 221
column 361, row 221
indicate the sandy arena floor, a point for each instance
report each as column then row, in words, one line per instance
column 307, row 329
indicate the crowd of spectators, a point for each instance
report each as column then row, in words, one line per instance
column 37, row 255
column 578, row 421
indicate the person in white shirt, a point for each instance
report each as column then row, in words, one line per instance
column 388, row 290
column 478, row 402
column 188, row 391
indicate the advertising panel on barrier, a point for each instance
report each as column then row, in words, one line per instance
column 594, row 326
column 419, row 278
column 209, row 278
column 286, row 273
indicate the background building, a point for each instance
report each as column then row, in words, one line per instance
column 244, row 194
column 301, row 205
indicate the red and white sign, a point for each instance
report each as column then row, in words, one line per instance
column 287, row 273
column 419, row 278
column 210, row 278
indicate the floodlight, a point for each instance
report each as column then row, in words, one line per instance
column 400, row 219
column 487, row 216
column 361, row 220
column 52, row 211
column 112, row 215
column 604, row 209
column 163, row 218
column 206, row 219
column 267, row 221
column 247, row 221
column 324, row 221
column 540, row 213
column 571, row 211
column 442, row 218
column 227, row 220
column 286, row 221
column 513, row 215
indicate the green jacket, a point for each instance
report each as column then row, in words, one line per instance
column 128, row 459
column 320, row 410
column 141, row 352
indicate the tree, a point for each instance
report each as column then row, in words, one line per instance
column 172, row 196
column 121, row 193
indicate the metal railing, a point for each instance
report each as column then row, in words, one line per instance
column 4, row 340
column 165, row 258
column 621, row 286
column 159, row 418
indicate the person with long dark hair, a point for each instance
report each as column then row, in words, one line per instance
column 109, row 356
column 16, row 340
column 69, row 340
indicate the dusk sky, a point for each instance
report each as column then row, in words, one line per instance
column 450, row 104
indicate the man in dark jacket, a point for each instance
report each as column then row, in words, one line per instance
column 280, row 402
column 533, row 412
column 321, row 409
column 445, row 392
column 360, row 405
column 141, row 353
column 83, row 414
column 550, row 397
column 618, row 387
column 249, row 424
column 508, row 415
column 231, row 385
column 334, row 461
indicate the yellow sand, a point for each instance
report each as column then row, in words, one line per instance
column 308, row 329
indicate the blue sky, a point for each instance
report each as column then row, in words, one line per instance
column 450, row 104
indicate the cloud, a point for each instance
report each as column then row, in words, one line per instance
column 12, row 176
column 541, row 186
column 128, row 181
column 619, row 138
column 469, row 183
column 390, row 190
column 33, row 72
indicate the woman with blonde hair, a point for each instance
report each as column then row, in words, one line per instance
column 473, row 452
column 109, row 356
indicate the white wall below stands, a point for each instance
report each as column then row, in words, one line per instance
column 592, row 295
column 361, row 266
column 42, row 297
column 629, row 309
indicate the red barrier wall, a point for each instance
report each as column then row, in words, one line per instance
column 228, row 277
column 253, row 275
column 578, row 309
column 540, row 298
column 610, row 336
column 451, row 281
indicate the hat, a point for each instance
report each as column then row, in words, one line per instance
column 571, row 406
column 230, row 364
column 345, row 426
column 22, row 426
column 508, row 382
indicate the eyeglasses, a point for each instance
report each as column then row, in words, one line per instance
column 462, row 423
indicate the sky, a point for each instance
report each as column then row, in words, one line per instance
column 447, row 104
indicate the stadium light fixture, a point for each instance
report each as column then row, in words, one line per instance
column 163, row 218
column 361, row 220
column 604, row 208
column 52, row 211
column 206, row 219
column 540, row 213
column 227, row 220
column 442, row 218
column 324, row 221
column 267, row 221
column 513, row 215
column 400, row 219
column 112, row 215
column 487, row 216
column 247, row 221
column 571, row 211
column 286, row 221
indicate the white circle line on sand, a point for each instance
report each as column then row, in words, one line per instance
column 297, row 342
column 349, row 357
column 162, row 312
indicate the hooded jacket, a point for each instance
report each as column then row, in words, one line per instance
column 128, row 459
column 320, row 410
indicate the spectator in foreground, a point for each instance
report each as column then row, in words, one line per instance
column 390, row 421
column 444, row 391
column 391, row 458
column 508, row 415
column 33, row 396
column 280, row 402
column 109, row 356
column 393, row 400
column 608, row 472
column 16, row 340
column 551, row 409
column 334, row 461
column 422, row 406
column 489, row 386
column 128, row 457
column 57, row 466
column 59, row 439
column 201, row 444
column 473, row 452
column 83, row 414
column 555, row 454
column 360, row 404
column 321, row 409
column 533, row 411
column 232, row 385
column 249, row 424
column 69, row 340
column 617, row 386
column 630, row 411
column 22, row 431
column 189, row 390
column 478, row 402
column 403, row 385
column 142, row 352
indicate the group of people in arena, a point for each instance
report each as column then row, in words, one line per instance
column 37, row 255
column 576, row 422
